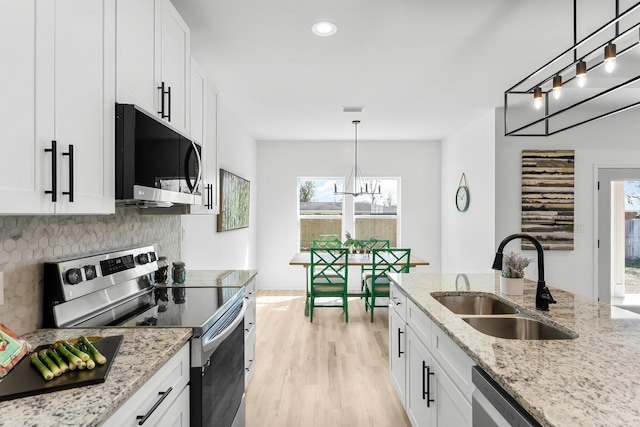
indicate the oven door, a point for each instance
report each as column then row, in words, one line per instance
column 220, row 381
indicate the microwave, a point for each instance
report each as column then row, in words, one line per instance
column 155, row 165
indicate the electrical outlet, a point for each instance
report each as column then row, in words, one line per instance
column 1, row 287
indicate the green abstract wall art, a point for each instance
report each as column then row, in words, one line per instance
column 234, row 202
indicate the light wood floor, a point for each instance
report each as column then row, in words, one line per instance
column 325, row 373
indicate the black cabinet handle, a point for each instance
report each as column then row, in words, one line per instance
column 162, row 105
column 209, row 197
column 169, row 94
column 163, row 395
column 400, row 352
column 426, row 387
column 54, row 171
column 70, row 154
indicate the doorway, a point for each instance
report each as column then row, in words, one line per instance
column 618, row 246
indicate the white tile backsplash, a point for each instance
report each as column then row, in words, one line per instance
column 28, row 241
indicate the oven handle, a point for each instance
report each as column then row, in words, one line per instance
column 210, row 346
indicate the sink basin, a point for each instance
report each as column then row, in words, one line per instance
column 474, row 304
column 517, row 328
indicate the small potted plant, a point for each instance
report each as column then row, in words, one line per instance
column 512, row 277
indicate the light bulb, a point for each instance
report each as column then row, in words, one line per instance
column 582, row 80
column 537, row 98
column 537, row 102
column 557, row 86
column 610, row 65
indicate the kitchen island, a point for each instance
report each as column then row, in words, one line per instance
column 592, row 380
column 142, row 352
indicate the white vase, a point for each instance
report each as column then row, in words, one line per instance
column 511, row 286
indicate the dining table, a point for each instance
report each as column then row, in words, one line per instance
column 358, row 260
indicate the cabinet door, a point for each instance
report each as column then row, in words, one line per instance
column 136, row 50
column 177, row 415
column 420, row 398
column 25, row 168
column 209, row 150
column 84, row 81
column 198, row 80
column 175, row 64
column 452, row 407
column 397, row 353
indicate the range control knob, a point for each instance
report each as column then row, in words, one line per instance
column 128, row 261
column 74, row 276
column 142, row 259
column 90, row 272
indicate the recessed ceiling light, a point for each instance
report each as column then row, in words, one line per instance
column 324, row 28
column 352, row 108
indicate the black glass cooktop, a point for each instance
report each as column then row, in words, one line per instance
column 196, row 308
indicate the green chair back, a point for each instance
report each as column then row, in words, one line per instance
column 388, row 260
column 326, row 243
column 328, row 276
column 374, row 243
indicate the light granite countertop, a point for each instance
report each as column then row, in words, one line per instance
column 142, row 352
column 592, row 380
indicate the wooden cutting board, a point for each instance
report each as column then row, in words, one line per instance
column 24, row 380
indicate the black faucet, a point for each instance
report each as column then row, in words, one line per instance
column 543, row 295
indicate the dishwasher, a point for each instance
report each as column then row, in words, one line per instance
column 493, row 407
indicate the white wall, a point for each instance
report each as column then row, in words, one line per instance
column 607, row 142
column 203, row 247
column 468, row 237
column 280, row 163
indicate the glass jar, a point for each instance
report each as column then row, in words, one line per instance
column 162, row 273
column 178, row 273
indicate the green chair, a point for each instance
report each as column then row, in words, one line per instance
column 370, row 245
column 326, row 243
column 328, row 277
column 388, row 260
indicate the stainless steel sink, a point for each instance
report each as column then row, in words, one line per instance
column 518, row 328
column 474, row 304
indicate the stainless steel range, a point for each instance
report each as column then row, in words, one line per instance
column 119, row 289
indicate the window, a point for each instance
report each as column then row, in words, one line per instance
column 320, row 212
column 376, row 215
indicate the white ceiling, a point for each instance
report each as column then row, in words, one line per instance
column 421, row 68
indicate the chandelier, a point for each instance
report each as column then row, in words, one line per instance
column 356, row 182
column 595, row 78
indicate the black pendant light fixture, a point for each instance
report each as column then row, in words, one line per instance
column 357, row 185
column 607, row 95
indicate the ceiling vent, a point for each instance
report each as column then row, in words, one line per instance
column 352, row 108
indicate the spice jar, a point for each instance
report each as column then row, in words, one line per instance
column 178, row 273
column 162, row 274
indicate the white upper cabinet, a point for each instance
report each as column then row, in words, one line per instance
column 22, row 164
column 58, row 112
column 154, row 58
column 176, row 63
column 204, row 129
column 137, row 57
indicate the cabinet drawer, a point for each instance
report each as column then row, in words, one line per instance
column 398, row 301
column 419, row 322
column 249, row 356
column 173, row 375
column 250, row 289
column 250, row 318
column 454, row 361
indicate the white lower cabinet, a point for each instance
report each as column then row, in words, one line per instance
column 161, row 401
column 249, row 330
column 397, row 352
column 431, row 374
